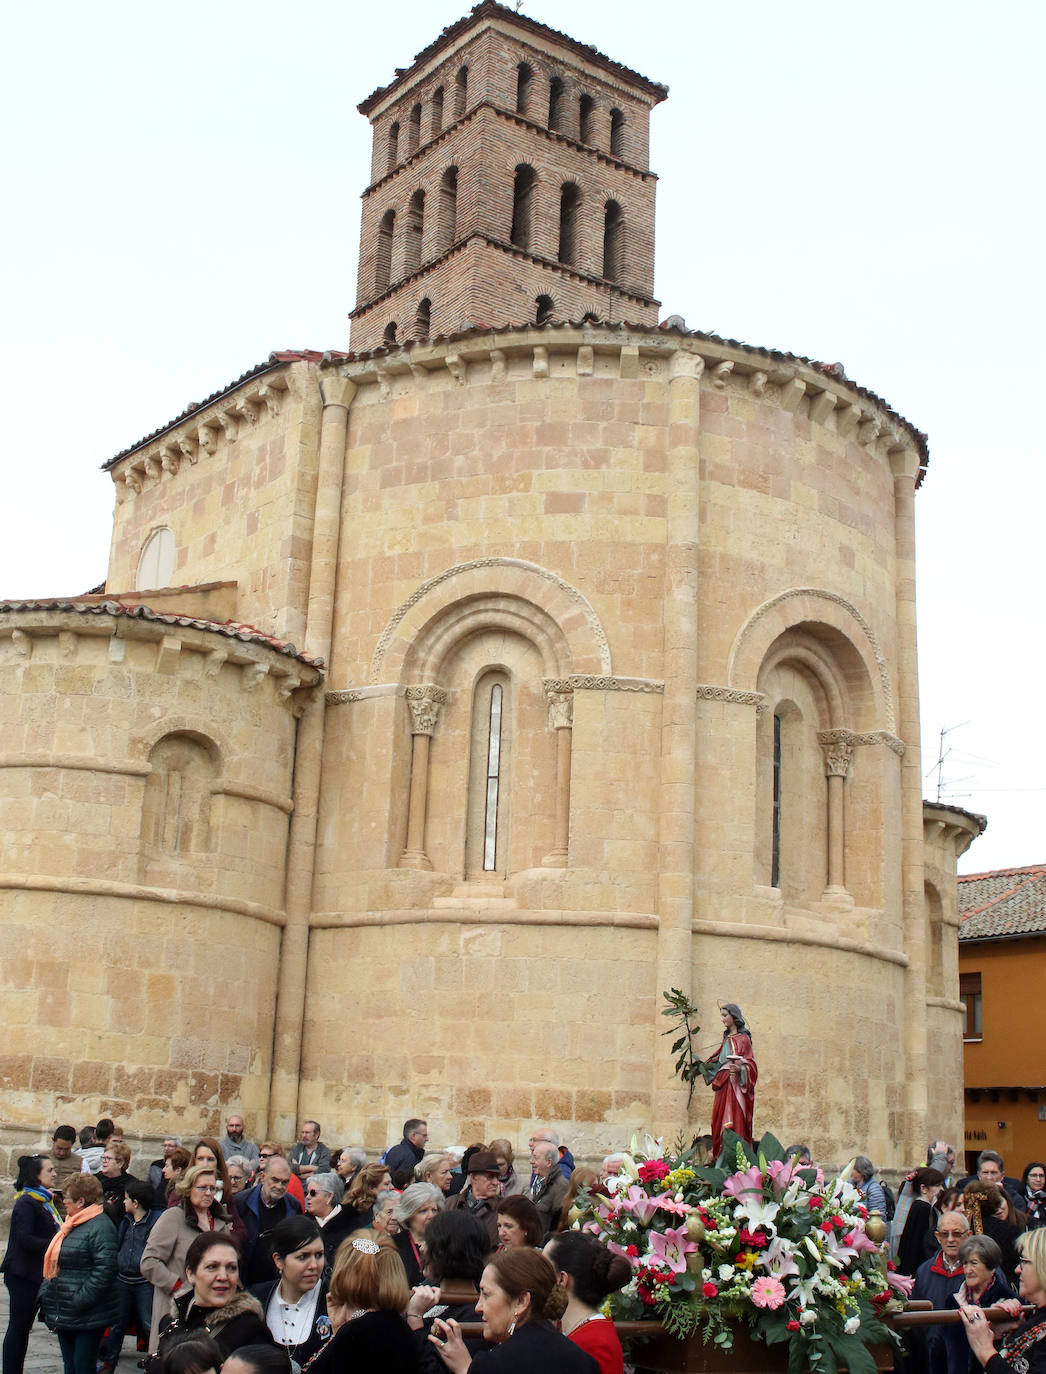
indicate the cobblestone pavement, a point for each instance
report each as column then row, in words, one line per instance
column 44, row 1356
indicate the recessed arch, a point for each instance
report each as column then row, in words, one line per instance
column 586, row 648
column 807, row 607
column 205, row 732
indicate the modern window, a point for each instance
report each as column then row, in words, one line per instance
column 970, row 994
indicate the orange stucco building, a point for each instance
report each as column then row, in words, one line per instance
column 1002, row 968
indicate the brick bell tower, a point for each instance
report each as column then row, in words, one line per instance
column 510, row 184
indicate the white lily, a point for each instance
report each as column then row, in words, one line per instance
column 759, row 1213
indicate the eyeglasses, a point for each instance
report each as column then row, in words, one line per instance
column 314, row 1192
column 950, row 1235
column 267, row 1154
column 206, row 1187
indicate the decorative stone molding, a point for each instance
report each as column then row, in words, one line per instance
column 343, row 697
column 423, row 589
column 425, row 704
column 707, row 691
column 829, row 737
column 585, row 682
column 834, row 598
column 346, row 695
column 76, row 763
column 248, row 792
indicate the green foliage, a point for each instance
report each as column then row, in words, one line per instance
column 689, row 1067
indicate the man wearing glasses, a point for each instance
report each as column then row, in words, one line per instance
column 261, row 1208
column 937, row 1279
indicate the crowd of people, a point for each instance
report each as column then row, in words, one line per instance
column 244, row 1257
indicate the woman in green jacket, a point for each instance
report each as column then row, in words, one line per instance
column 79, row 1297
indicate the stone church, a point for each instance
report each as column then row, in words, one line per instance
column 450, row 698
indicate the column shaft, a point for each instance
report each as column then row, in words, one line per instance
column 414, row 855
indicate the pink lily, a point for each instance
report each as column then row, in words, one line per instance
column 902, row 1282
column 637, row 1202
column 616, row 1249
column 671, row 1248
column 859, row 1241
column 780, row 1173
column 751, row 1181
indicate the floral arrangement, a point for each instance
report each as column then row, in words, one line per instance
column 759, row 1241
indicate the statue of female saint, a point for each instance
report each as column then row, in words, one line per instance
column 733, row 1082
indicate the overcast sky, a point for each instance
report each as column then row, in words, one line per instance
column 855, row 182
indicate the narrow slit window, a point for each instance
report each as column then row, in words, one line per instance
column 490, row 819
column 775, row 860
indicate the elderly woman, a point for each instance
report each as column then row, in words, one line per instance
column 983, row 1285
column 34, row 1222
column 985, row 1204
column 241, row 1173
column 511, row 1183
column 384, row 1222
column 79, row 1296
column 417, row 1206
column 368, row 1296
column 323, row 1195
column 213, row 1301
column 1023, row 1351
column 520, row 1297
column 113, row 1175
column 350, row 1162
column 163, row 1261
column 435, row 1169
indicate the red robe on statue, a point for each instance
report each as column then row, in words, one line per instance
column 734, row 1087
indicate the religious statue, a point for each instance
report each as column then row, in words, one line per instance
column 732, row 1075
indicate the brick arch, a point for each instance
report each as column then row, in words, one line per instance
column 505, row 591
column 808, row 607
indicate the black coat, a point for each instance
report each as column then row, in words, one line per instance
column 240, row 1322
column 342, row 1224
column 376, row 1343
column 33, row 1228
column 321, row 1326
column 536, row 1345
column 414, row 1272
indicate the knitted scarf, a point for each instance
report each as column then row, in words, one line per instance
column 42, row 1195
column 51, row 1255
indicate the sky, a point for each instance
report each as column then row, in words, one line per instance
column 852, row 182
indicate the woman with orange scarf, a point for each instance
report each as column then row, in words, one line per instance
column 79, row 1297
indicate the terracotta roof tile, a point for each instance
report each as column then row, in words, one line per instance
column 249, row 634
column 1002, row 904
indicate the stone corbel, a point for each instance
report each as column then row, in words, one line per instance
column 253, row 674
column 188, row 450
column 212, row 663
column 791, row 393
column 418, row 371
column 498, row 365
column 720, row 375
column 168, row 654
column 67, row 643
column 848, row 420
column 22, row 644
column 243, row 408
column 757, row 383
column 456, row 367
column 869, row 431
column 384, row 376
column 540, row 361
column 207, row 436
column 132, row 480
column 287, row 686
column 227, row 420
column 425, row 704
column 152, row 467
column 170, row 460
column 822, row 406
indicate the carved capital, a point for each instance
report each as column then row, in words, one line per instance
column 838, row 749
column 425, row 704
column 685, row 365
column 337, row 391
column 560, row 707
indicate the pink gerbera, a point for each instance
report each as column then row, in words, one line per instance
column 768, row 1292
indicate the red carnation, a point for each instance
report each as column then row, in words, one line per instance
column 755, row 1239
column 839, row 1223
column 653, row 1171
column 816, row 1202
column 709, row 1290
column 793, row 1325
column 632, row 1252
